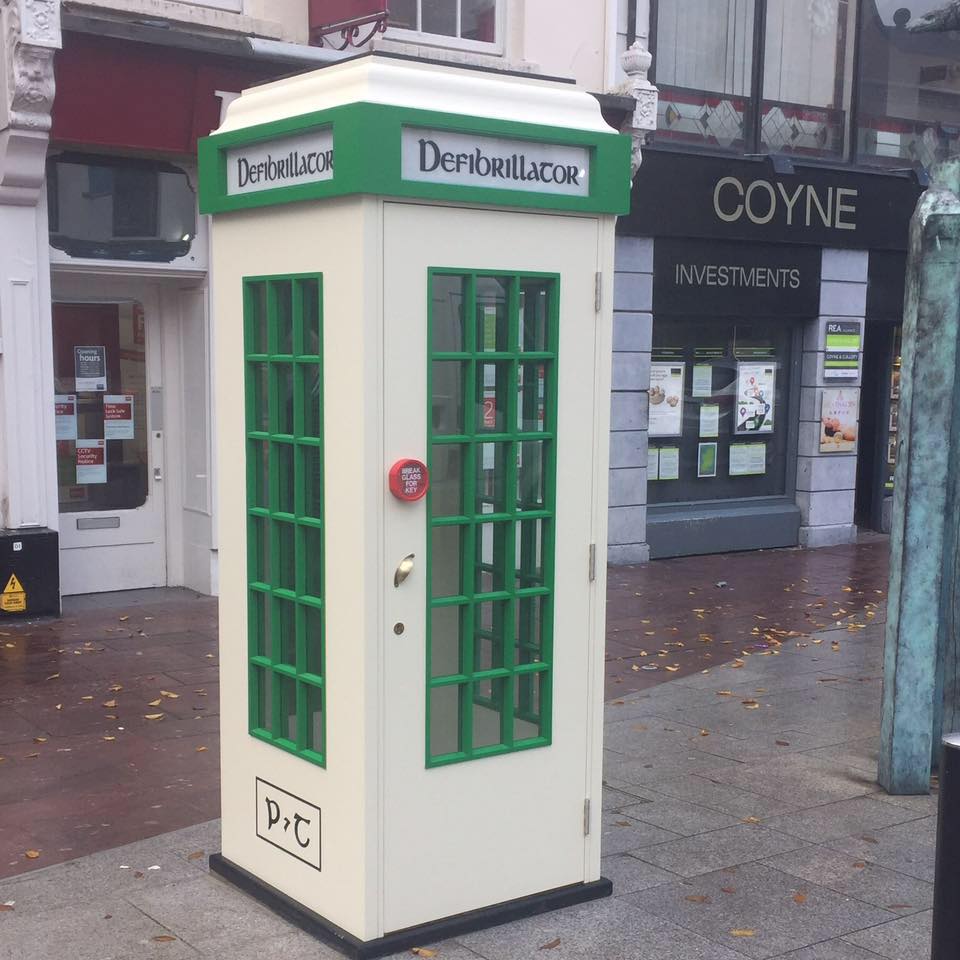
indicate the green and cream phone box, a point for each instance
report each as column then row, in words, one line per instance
column 413, row 362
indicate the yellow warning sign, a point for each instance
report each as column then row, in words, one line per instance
column 14, row 597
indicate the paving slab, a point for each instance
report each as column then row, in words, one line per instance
column 843, row 818
column 904, row 939
column 757, row 910
column 908, row 848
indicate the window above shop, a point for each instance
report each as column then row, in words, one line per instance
column 119, row 208
column 462, row 24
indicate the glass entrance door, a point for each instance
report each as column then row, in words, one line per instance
column 108, row 403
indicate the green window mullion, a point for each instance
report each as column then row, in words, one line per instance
column 296, row 317
column 467, row 651
column 303, row 718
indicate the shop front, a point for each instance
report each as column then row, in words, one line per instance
column 743, row 343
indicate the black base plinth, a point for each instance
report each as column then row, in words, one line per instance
column 417, row 936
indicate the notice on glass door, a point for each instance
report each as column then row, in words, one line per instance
column 118, row 417
column 710, row 420
column 756, row 395
column 666, row 399
column 90, row 369
column 748, row 459
column 65, row 405
column 669, row 463
column 702, row 380
column 91, row 461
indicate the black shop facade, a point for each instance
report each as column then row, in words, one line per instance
column 777, row 297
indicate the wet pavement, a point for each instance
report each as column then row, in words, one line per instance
column 109, row 716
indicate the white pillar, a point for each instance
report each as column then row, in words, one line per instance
column 28, row 483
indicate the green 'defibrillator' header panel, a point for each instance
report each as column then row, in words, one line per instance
column 376, row 149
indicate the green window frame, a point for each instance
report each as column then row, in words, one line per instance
column 283, row 378
column 491, row 512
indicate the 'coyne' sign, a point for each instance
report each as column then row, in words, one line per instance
column 304, row 158
column 468, row 160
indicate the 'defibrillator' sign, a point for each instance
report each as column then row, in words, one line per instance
column 471, row 160
column 288, row 162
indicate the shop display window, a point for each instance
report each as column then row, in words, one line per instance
column 719, row 410
column 283, row 336
column 491, row 509
column 119, row 208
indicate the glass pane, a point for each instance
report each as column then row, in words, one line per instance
column 282, row 291
column 311, row 474
column 446, row 711
column 447, row 401
column 530, row 553
column 446, row 629
column 909, row 107
column 283, row 464
column 478, row 20
column 308, row 387
column 259, row 402
column 285, row 612
column 806, row 84
column 488, row 641
column 288, row 708
column 492, row 314
column 313, row 638
column 263, row 698
column 446, row 561
column 283, row 396
column 534, row 313
column 403, row 14
column 530, row 628
column 528, row 706
column 447, row 298
column 492, row 542
column 286, row 555
column 446, row 480
column 439, row 16
column 119, row 208
column 100, row 403
column 312, row 560
column 704, row 61
column 259, row 487
column 492, row 460
column 492, row 385
column 257, row 326
column 259, row 547
column 259, row 613
column 487, row 709
column 309, row 317
column 314, row 704
column 530, row 474
column 532, row 397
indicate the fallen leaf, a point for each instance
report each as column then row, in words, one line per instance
column 698, row 899
column 753, row 820
column 196, row 855
column 86, row 698
column 782, row 743
column 743, row 933
column 39, row 739
column 869, row 839
column 155, row 703
column 621, row 823
column 163, row 938
column 423, row 952
column 552, row 945
column 110, row 704
column 800, row 898
column 153, row 716
column 116, row 688
column 200, row 749
column 59, row 706
column 31, row 756
column 169, row 695
column 704, row 733
column 54, row 676
column 751, row 704
column 137, row 875
column 728, row 889
column 673, row 669
column 859, row 865
column 32, row 854
column 892, row 906
column 109, row 738
column 724, row 693
column 6, row 907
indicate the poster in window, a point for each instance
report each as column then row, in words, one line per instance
column 666, row 399
column 710, row 420
column 702, row 380
column 90, row 369
column 839, row 416
column 65, row 406
column 118, row 417
column 669, row 463
column 91, row 461
column 707, row 460
column 756, row 396
column 653, row 464
column 748, row 459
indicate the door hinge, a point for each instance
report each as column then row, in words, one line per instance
column 593, row 562
column 598, row 292
column 586, row 817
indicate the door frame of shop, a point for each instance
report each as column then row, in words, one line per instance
column 728, row 526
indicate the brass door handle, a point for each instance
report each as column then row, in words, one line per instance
column 404, row 569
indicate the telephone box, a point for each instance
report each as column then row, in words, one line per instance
column 412, row 284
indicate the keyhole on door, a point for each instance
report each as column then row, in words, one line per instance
column 398, row 628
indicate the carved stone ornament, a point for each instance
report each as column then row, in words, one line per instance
column 637, row 61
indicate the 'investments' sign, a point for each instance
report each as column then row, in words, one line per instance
column 470, row 160
column 305, row 158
